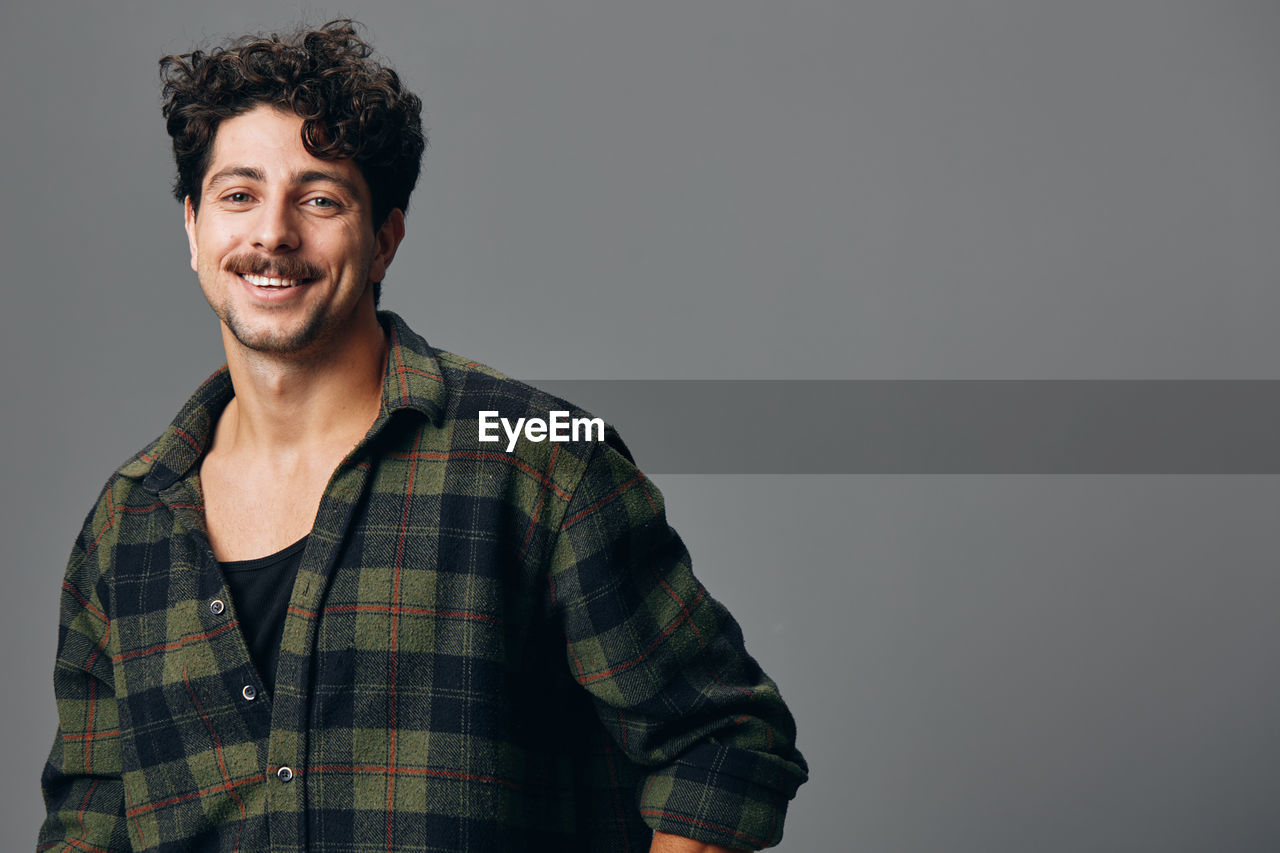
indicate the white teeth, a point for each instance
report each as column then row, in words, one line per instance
column 264, row 281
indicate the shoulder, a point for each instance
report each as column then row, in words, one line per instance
column 120, row 499
column 123, row 489
column 136, row 468
column 503, row 423
column 485, row 416
column 492, row 413
column 131, row 492
column 437, row 381
column 474, row 386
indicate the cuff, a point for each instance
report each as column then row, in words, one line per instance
column 721, row 795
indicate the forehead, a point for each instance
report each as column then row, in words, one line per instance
column 268, row 140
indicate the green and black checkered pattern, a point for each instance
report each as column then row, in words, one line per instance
column 483, row 651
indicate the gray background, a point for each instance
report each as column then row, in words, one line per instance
column 889, row 189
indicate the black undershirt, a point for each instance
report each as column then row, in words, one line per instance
column 260, row 589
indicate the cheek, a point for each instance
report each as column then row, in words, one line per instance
column 353, row 252
column 212, row 250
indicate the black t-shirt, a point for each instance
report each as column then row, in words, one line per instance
column 260, row 589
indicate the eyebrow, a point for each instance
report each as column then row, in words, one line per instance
column 247, row 172
column 311, row 176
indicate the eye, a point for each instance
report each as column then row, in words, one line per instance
column 322, row 202
column 237, row 197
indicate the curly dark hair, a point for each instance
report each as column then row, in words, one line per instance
column 351, row 106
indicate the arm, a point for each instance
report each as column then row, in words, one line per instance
column 666, row 669
column 84, row 797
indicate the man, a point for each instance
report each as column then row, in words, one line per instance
column 321, row 612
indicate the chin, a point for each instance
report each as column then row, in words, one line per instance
column 277, row 340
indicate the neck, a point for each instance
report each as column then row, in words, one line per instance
column 295, row 403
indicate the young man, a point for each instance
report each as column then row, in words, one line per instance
column 320, row 612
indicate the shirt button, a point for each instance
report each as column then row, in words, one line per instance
column 284, row 774
column 249, row 692
column 216, row 607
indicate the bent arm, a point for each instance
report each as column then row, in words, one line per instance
column 665, row 666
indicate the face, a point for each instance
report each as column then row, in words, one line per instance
column 283, row 243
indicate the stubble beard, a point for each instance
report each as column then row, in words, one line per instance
column 315, row 329
column 277, row 341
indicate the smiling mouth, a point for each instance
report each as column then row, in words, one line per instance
column 269, row 281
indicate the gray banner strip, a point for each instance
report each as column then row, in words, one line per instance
column 940, row 426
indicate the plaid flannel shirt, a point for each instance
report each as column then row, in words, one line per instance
column 483, row 651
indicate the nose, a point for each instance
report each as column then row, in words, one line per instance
column 275, row 229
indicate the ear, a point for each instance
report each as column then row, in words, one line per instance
column 189, row 222
column 386, row 241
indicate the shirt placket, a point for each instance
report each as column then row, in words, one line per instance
column 282, row 718
column 220, row 634
column 287, row 745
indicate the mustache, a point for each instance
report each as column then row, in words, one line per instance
column 285, row 267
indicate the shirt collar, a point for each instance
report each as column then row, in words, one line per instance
column 412, row 381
